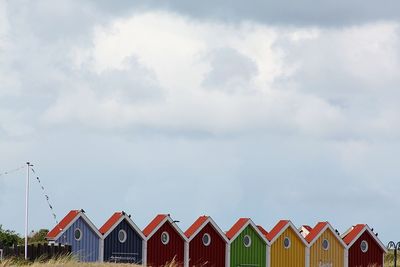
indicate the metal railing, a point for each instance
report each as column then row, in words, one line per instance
column 395, row 247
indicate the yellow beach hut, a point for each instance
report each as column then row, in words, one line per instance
column 326, row 248
column 288, row 246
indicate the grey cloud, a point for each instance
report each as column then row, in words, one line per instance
column 61, row 21
column 303, row 12
column 132, row 84
column 230, row 71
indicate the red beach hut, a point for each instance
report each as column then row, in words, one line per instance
column 364, row 247
column 208, row 245
column 165, row 242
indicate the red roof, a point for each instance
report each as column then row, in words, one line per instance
column 278, row 227
column 315, row 231
column 262, row 230
column 236, row 227
column 110, row 222
column 62, row 224
column 308, row 228
column 153, row 224
column 195, row 226
column 350, row 236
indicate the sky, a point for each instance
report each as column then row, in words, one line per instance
column 263, row 109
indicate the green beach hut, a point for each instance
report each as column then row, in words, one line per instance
column 248, row 246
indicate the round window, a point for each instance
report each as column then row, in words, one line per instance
column 286, row 242
column 122, row 236
column 78, row 234
column 164, row 238
column 247, row 241
column 325, row 244
column 206, row 240
column 364, row 246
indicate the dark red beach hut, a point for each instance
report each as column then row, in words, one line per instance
column 208, row 245
column 165, row 242
column 364, row 247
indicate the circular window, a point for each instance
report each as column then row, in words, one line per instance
column 247, row 241
column 206, row 240
column 78, row 234
column 164, row 238
column 122, row 236
column 325, row 244
column 286, row 242
column 364, row 246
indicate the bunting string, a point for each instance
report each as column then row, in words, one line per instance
column 46, row 196
column 12, row 171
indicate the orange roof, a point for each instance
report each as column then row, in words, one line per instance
column 236, row 227
column 278, row 227
column 262, row 230
column 195, row 226
column 110, row 222
column 153, row 224
column 315, row 231
column 353, row 233
column 62, row 224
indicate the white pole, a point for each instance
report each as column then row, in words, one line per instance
column 28, row 165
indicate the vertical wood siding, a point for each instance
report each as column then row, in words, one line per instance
column 87, row 248
column 159, row 254
column 373, row 257
column 333, row 257
column 131, row 248
column 294, row 256
column 210, row 256
column 253, row 256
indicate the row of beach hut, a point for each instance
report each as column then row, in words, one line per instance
column 205, row 244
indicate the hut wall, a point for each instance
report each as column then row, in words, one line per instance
column 212, row 255
column 87, row 248
column 129, row 251
column 333, row 257
column 294, row 256
column 255, row 255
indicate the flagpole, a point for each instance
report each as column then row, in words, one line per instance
column 28, row 165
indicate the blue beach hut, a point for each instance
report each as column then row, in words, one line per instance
column 122, row 240
column 76, row 230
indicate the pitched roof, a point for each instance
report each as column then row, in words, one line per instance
column 195, row 226
column 353, row 233
column 315, row 231
column 236, row 227
column 63, row 223
column 277, row 229
column 153, row 224
column 110, row 222
column 262, row 230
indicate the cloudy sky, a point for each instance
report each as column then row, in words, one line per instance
column 269, row 110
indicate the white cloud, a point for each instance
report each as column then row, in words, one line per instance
column 147, row 100
column 178, row 51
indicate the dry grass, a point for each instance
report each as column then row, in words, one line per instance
column 67, row 261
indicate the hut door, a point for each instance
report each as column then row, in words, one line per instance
column 325, row 264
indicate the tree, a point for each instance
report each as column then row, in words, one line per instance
column 38, row 237
column 9, row 238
